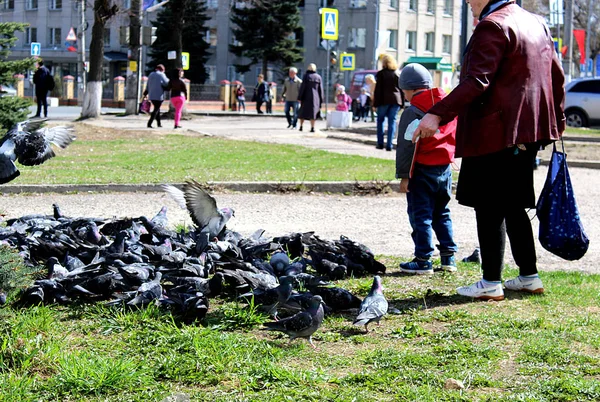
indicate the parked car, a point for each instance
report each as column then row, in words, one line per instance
column 358, row 81
column 7, row 90
column 582, row 102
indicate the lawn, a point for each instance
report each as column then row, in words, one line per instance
column 526, row 348
column 101, row 155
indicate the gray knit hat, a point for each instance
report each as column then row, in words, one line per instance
column 415, row 76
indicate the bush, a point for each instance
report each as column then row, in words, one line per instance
column 12, row 110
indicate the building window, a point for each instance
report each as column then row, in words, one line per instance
column 431, row 6
column 126, row 4
column 8, row 4
column 357, row 37
column 393, row 33
column 447, row 44
column 31, row 4
column 107, row 37
column 212, row 4
column 448, row 6
column 232, row 75
column 211, row 37
column 212, row 74
column 393, row 3
column 30, row 35
column 298, row 36
column 429, row 42
column 411, row 40
column 358, row 3
column 413, row 5
column 55, row 4
column 54, row 36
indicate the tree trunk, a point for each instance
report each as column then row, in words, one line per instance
column 131, row 95
column 92, row 99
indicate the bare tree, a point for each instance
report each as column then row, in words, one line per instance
column 92, row 99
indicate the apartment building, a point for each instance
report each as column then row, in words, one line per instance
column 367, row 28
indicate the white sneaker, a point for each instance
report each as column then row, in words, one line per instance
column 479, row 291
column 530, row 285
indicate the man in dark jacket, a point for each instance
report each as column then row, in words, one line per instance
column 40, row 80
column 261, row 93
column 310, row 96
column 509, row 103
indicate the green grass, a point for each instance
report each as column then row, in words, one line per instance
column 526, row 348
column 582, row 131
column 174, row 158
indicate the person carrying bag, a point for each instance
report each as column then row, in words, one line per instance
column 561, row 230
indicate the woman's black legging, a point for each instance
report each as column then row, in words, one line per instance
column 155, row 113
column 493, row 225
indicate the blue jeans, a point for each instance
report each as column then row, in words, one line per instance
column 292, row 119
column 391, row 112
column 429, row 192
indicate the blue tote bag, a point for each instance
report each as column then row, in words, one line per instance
column 561, row 230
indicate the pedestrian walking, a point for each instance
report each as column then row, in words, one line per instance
column 240, row 94
column 370, row 85
column 155, row 91
column 44, row 82
column 178, row 94
column 387, row 99
column 426, row 177
column 364, row 104
column 261, row 93
column 509, row 102
column 291, row 88
column 310, row 96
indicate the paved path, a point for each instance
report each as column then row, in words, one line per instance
column 380, row 222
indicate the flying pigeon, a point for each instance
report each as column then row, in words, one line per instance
column 202, row 207
column 302, row 324
column 373, row 307
column 29, row 143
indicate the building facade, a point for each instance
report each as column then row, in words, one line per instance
column 367, row 28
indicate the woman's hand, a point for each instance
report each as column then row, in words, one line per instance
column 429, row 125
column 404, row 185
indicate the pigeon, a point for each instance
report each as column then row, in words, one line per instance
column 202, row 207
column 338, row 299
column 475, row 257
column 273, row 298
column 30, row 144
column 302, row 324
column 279, row 261
column 147, row 292
column 373, row 307
column 160, row 219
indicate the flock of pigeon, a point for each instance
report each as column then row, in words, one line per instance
column 138, row 261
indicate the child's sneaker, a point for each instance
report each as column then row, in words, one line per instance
column 417, row 267
column 521, row 284
column 448, row 263
column 482, row 292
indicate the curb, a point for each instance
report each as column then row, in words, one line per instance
column 343, row 187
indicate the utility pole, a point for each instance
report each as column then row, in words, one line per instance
column 82, row 53
column 463, row 29
column 135, row 31
column 568, row 38
column 588, row 70
column 376, row 34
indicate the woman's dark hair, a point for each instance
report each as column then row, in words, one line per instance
column 176, row 73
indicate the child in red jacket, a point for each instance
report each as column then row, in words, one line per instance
column 424, row 168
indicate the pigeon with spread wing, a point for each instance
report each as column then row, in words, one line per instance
column 202, row 207
column 30, row 144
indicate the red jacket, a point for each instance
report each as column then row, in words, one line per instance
column 511, row 87
column 439, row 149
column 432, row 151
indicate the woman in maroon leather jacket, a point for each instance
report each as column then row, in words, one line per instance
column 509, row 103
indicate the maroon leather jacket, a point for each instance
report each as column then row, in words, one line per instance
column 511, row 87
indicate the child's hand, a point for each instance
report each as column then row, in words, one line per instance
column 404, row 185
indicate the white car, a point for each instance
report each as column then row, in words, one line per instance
column 7, row 90
column 582, row 102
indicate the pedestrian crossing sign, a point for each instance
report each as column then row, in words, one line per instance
column 185, row 60
column 348, row 61
column 329, row 23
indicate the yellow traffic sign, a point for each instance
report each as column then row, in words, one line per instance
column 329, row 23
column 185, row 60
column 348, row 61
column 132, row 65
